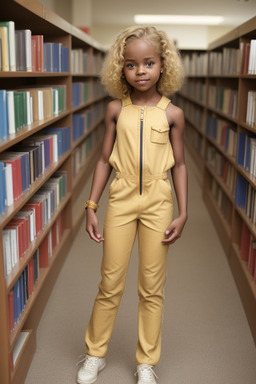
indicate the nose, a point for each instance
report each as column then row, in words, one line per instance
column 140, row 69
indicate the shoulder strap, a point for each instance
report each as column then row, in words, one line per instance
column 163, row 103
column 126, row 101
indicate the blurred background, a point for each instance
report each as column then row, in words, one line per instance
column 103, row 19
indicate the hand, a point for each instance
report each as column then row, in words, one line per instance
column 92, row 225
column 173, row 232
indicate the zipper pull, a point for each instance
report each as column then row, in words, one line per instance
column 142, row 113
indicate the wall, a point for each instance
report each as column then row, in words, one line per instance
column 61, row 7
column 187, row 37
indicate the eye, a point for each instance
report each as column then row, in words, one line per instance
column 130, row 66
column 149, row 64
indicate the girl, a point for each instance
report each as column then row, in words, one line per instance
column 143, row 140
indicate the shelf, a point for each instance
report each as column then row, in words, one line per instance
column 224, row 115
column 33, row 15
column 221, row 225
column 221, row 183
column 244, row 269
column 18, row 268
column 246, row 219
column 28, row 349
column 31, row 129
column 18, row 204
column 228, row 230
column 16, row 74
column 230, row 158
column 194, row 153
column 87, row 104
column 38, row 287
column 87, row 133
column 246, row 287
column 198, row 102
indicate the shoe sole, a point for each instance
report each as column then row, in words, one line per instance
column 93, row 381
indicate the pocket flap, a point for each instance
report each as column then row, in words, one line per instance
column 159, row 134
column 160, row 129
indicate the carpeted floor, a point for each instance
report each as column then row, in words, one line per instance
column 206, row 337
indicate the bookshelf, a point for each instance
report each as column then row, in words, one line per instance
column 57, row 146
column 221, row 129
column 192, row 100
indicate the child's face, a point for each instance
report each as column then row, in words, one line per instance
column 142, row 65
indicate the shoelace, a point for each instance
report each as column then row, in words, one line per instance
column 146, row 372
column 89, row 362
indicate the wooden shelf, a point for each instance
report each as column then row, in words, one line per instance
column 222, row 227
column 246, row 286
column 31, row 14
column 29, row 130
column 228, row 231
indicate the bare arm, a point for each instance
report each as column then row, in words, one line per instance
column 103, row 169
column 179, row 175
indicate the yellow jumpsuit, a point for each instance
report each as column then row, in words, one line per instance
column 140, row 200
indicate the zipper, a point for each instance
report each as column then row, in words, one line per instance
column 141, row 146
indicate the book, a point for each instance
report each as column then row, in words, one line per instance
column 13, row 234
column 37, row 104
column 7, row 252
column 33, row 55
column 25, row 167
column 38, row 42
column 8, row 185
column 37, row 206
column 252, row 255
column 19, row 343
column 4, row 48
column 245, row 242
column 4, row 115
column 252, row 58
column 0, row 54
column 19, row 228
column 23, row 50
column 11, row 313
column 34, row 157
column 48, row 57
column 241, row 192
column 56, row 57
column 64, row 59
column 15, row 161
column 245, row 60
column 2, row 188
column 45, row 252
column 10, row 25
column 11, row 112
column 30, row 276
column 20, row 109
column 251, row 108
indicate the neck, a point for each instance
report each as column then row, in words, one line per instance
column 145, row 98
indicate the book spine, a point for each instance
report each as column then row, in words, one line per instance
column 5, row 48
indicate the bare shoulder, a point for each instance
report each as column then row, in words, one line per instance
column 113, row 109
column 175, row 115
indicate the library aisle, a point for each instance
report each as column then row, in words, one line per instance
column 206, row 337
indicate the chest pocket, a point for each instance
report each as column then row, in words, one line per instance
column 159, row 135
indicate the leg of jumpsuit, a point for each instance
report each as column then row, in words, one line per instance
column 117, row 247
column 152, row 277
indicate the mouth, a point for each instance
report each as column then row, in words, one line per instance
column 142, row 81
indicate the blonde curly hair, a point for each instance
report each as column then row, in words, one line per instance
column 112, row 75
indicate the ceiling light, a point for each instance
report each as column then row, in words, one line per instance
column 178, row 19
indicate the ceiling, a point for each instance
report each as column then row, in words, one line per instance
column 118, row 12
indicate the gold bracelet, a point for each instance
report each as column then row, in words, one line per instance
column 91, row 204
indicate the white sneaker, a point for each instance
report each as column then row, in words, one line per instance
column 88, row 373
column 146, row 375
